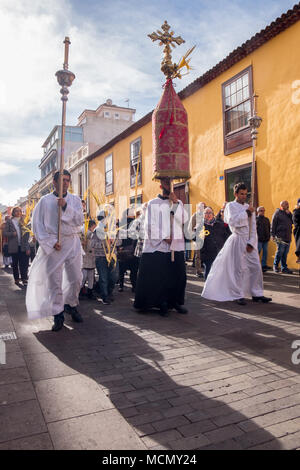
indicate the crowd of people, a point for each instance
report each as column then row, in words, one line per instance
column 149, row 243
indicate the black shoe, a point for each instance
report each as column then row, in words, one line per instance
column 82, row 294
column 68, row 309
column 90, row 294
column 276, row 269
column 76, row 315
column 163, row 311
column 58, row 322
column 262, row 299
column 105, row 301
column 287, row 271
column 241, row 302
column 180, row 309
column 111, row 297
column 264, row 269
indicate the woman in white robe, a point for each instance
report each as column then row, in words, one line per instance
column 236, row 273
column 55, row 276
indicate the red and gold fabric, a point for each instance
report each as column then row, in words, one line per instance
column 170, row 137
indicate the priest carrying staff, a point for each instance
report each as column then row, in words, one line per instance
column 236, row 272
column 55, row 276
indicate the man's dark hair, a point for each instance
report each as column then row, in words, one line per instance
column 91, row 223
column 239, row 186
column 56, row 175
column 14, row 210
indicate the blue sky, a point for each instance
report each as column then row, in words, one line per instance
column 111, row 56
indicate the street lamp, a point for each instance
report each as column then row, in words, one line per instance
column 254, row 122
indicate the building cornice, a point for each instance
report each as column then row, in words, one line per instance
column 276, row 27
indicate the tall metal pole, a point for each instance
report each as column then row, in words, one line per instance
column 254, row 121
column 65, row 79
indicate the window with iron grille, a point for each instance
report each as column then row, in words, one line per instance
column 239, row 174
column 237, row 105
column 108, row 174
column 139, row 199
column 135, row 162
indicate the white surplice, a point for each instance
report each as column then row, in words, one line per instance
column 55, row 276
column 235, row 273
column 157, row 226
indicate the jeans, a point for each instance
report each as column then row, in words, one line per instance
column 281, row 255
column 108, row 275
column 207, row 265
column 264, row 247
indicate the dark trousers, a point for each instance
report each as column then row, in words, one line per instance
column 133, row 265
column 20, row 262
column 207, row 265
column 32, row 253
column 107, row 276
column 281, row 255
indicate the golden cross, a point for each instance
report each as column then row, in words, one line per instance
column 167, row 38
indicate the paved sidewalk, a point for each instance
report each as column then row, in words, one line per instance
column 220, row 377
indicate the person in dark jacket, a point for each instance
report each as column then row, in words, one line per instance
column 217, row 234
column 263, row 236
column 296, row 221
column 18, row 246
column 281, row 233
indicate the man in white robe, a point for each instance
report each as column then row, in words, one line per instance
column 161, row 282
column 152, row 281
column 236, row 272
column 55, row 276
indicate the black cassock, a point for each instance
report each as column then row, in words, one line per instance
column 160, row 280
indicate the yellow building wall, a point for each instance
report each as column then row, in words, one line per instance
column 121, row 172
column 276, row 67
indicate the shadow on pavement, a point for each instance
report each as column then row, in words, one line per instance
column 136, row 360
column 178, row 381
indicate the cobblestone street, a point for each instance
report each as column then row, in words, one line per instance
column 220, row 377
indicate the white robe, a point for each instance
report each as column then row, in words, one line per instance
column 235, row 273
column 55, row 276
